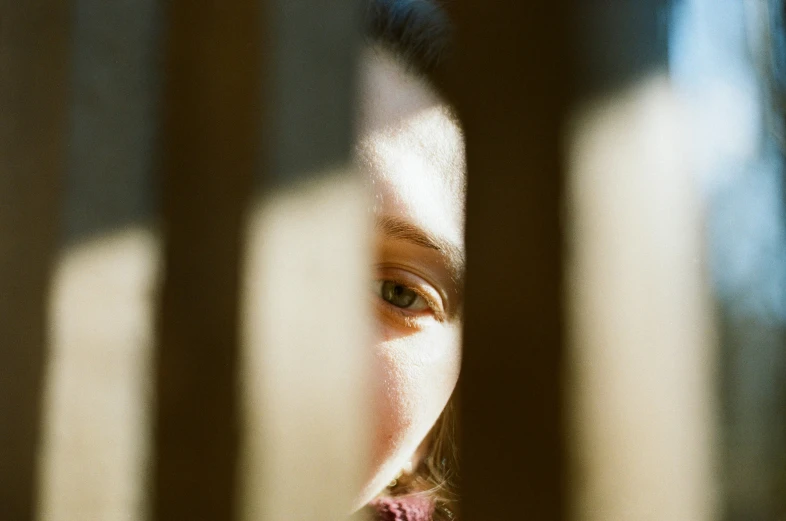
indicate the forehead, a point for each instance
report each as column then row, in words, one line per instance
column 410, row 148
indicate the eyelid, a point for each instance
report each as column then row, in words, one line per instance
column 429, row 266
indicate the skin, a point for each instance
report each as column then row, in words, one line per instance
column 412, row 152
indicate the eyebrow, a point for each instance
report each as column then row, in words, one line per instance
column 396, row 228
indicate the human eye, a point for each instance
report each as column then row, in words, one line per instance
column 407, row 295
column 400, row 295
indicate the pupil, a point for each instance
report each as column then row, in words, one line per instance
column 398, row 295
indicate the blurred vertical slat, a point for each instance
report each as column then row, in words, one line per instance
column 34, row 57
column 510, row 88
column 209, row 143
column 642, row 365
column 95, row 442
column 305, row 316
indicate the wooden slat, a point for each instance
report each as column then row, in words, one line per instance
column 510, row 87
column 641, row 365
column 306, row 331
column 34, row 55
column 97, row 406
column 209, row 142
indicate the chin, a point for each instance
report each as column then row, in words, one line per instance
column 392, row 451
column 375, row 485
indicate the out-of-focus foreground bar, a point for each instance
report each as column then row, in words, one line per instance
column 34, row 55
column 208, row 146
column 510, row 88
column 305, row 327
column 641, row 361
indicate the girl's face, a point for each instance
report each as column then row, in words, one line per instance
column 412, row 153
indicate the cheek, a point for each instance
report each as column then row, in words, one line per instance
column 415, row 376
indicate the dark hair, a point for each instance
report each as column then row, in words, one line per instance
column 416, row 31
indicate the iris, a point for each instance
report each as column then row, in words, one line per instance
column 397, row 294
